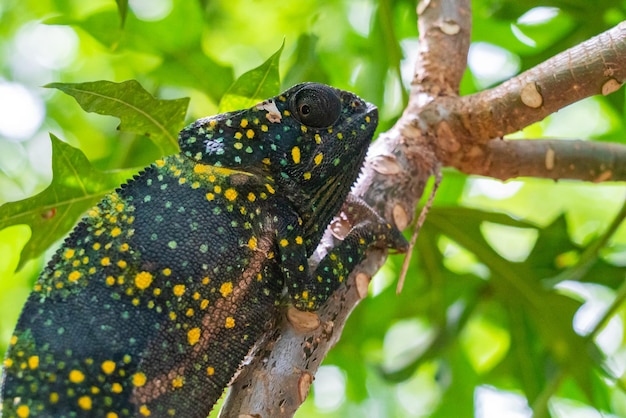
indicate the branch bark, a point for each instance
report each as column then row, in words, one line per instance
column 439, row 128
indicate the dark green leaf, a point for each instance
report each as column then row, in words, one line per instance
column 138, row 111
column 122, row 8
column 76, row 186
column 254, row 86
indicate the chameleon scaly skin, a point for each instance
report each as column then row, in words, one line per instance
column 157, row 295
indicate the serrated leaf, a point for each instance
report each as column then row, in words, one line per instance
column 138, row 111
column 254, row 86
column 122, row 8
column 75, row 187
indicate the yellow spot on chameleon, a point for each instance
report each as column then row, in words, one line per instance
column 230, row 194
column 116, row 231
column 295, row 155
column 266, row 161
column 69, row 253
column 217, row 189
column 13, row 340
column 143, row 280
column 139, row 379
column 23, row 411
column 210, row 196
column 143, row 410
column 122, row 264
column 96, row 246
column 8, row 363
column 307, row 175
column 243, row 123
column 167, row 271
column 210, row 371
column 318, row 139
column 179, row 289
column 116, row 388
column 226, row 289
column 230, row 322
column 299, row 240
column 318, row 158
column 124, row 247
column 76, row 376
column 73, row 276
column 250, row 133
column 160, row 163
column 54, row 398
column 84, row 402
column 177, row 382
column 283, row 242
column 110, row 280
column 339, row 135
column 251, row 197
column 105, row 261
column 238, row 145
column 305, row 295
column 252, row 243
column 204, row 303
column 193, row 336
column 108, row 366
column 33, row 362
column 111, row 415
column 270, row 188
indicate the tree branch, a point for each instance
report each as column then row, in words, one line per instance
column 596, row 66
column 554, row 159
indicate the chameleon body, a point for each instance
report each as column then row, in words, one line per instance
column 156, row 296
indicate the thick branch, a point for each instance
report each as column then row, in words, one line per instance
column 554, row 159
column 444, row 37
column 597, row 66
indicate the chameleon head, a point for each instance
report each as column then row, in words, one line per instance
column 309, row 141
column 311, row 134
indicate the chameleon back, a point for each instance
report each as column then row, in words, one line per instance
column 157, row 295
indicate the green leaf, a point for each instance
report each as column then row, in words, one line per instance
column 138, row 111
column 254, row 86
column 75, row 187
column 182, row 59
column 122, row 8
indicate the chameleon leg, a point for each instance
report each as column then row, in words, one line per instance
column 368, row 230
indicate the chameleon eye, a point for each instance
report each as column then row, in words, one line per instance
column 316, row 105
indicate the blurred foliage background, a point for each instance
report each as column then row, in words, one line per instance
column 513, row 302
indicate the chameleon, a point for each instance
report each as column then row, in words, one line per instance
column 155, row 298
